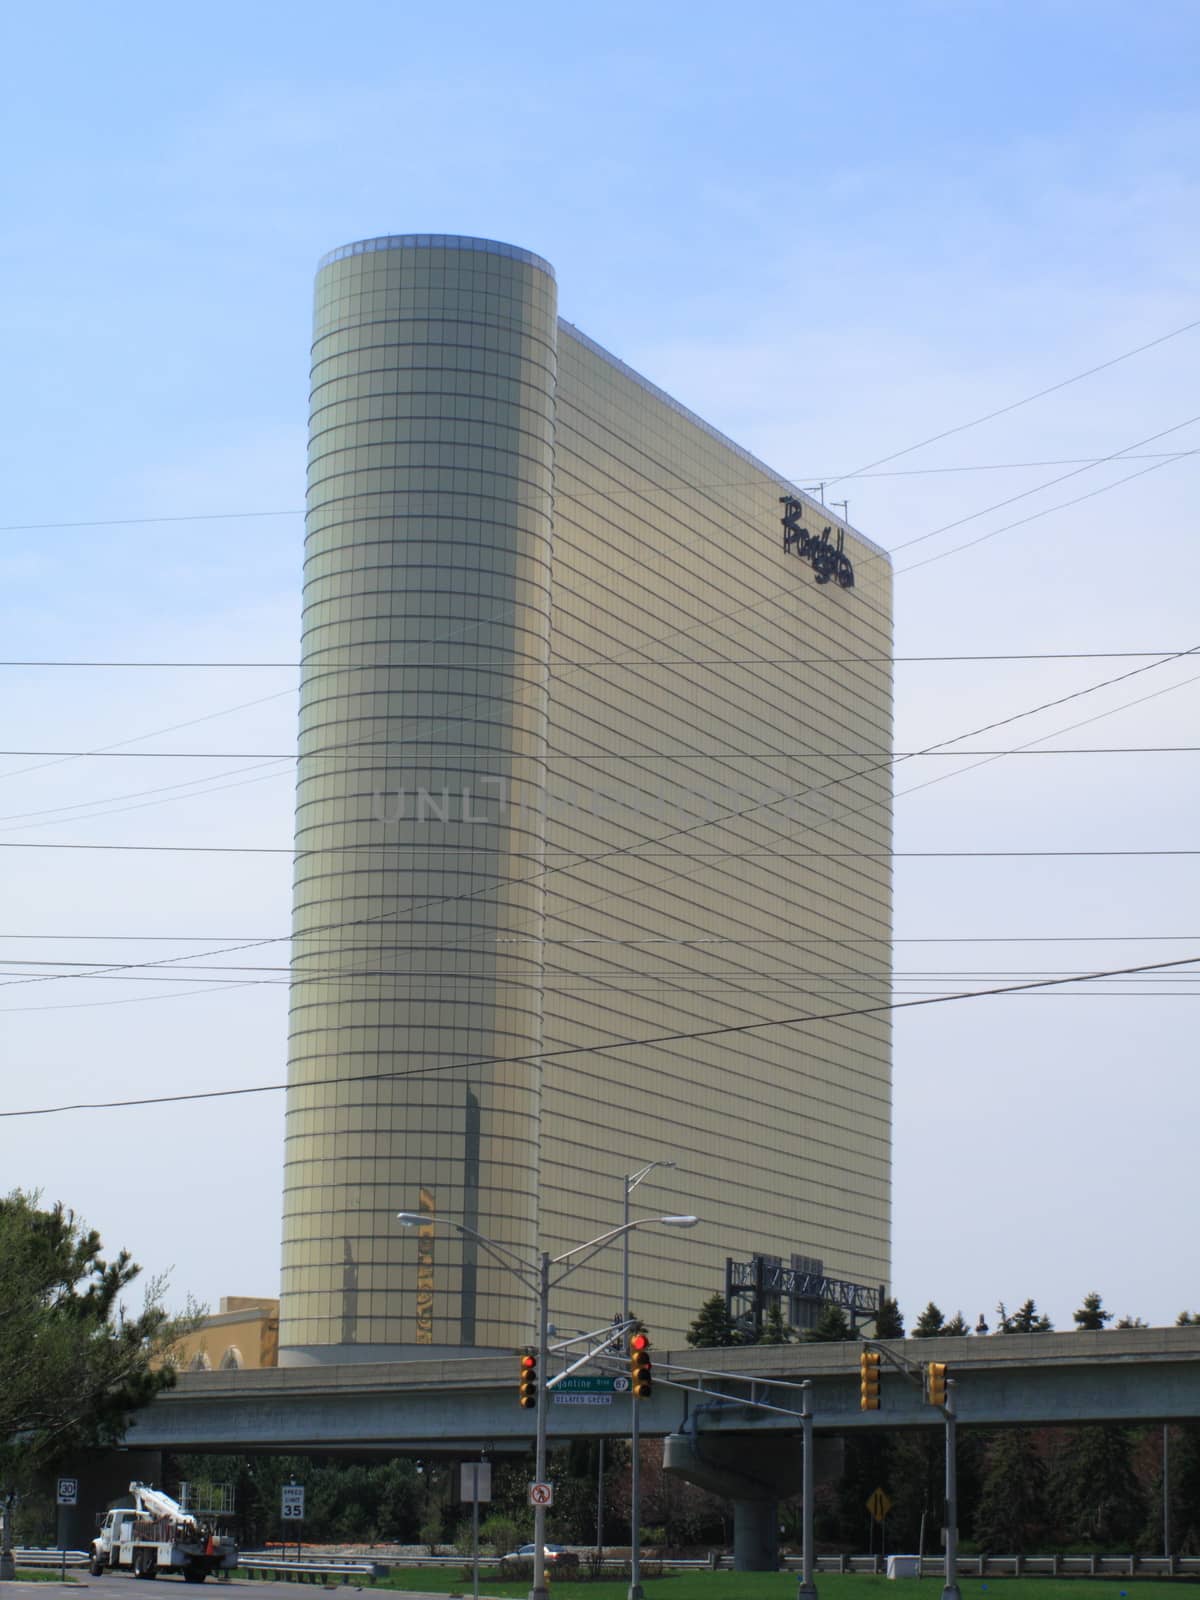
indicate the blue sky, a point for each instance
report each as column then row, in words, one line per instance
column 833, row 232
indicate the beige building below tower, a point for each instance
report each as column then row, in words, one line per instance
column 595, row 748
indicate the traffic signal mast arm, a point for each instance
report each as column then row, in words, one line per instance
column 913, row 1372
column 706, row 1392
column 615, row 1337
column 931, row 1377
column 674, row 1374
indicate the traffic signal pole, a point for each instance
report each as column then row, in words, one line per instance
column 950, row 1590
column 807, row 1589
column 539, row 1590
column 635, row 1490
column 640, row 1381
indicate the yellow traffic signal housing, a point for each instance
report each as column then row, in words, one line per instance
column 868, row 1380
column 527, row 1390
column 935, row 1383
column 640, row 1374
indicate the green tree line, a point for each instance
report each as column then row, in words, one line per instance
column 1020, row 1489
column 75, row 1364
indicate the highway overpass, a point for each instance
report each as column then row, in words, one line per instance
column 466, row 1404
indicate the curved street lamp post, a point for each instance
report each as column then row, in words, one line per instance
column 539, row 1279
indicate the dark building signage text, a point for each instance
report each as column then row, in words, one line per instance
column 828, row 560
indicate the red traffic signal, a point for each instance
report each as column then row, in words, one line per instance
column 527, row 1388
column 640, row 1374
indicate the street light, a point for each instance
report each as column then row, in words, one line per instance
column 539, row 1280
column 632, row 1179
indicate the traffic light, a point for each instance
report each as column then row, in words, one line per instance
column 640, row 1375
column 527, row 1392
column 868, row 1380
column 935, row 1383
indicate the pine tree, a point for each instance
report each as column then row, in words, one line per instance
column 832, row 1326
column 889, row 1323
column 867, row 1466
column 1011, row 1510
column 74, row 1366
column 1188, row 1319
column 713, row 1327
column 917, row 1484
column 929, row 1324
column 775, row 1329
column 1026, row 1319
column 956, row 1328
column 1185, row 1493
column 1093, row 1489
column 1091, row 1316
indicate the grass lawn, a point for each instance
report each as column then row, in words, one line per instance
column 782, row 1586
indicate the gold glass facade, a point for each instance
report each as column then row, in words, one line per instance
column 586, row 756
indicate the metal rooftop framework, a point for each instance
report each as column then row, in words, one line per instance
column 801, row 1290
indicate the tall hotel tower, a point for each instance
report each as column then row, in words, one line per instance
column 594, row 748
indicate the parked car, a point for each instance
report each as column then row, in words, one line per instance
column 556, row 1555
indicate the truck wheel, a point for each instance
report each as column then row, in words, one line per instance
column 194, row 1574
column 95, row 1567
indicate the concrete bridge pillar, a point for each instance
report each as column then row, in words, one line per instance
column 756, row 1535
column 754, row 1470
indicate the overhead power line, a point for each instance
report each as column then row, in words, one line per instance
column 642, row 855
column 503, row 883
column 921, row 444
column 1050, row 483
column 809, row 474
column 977, row 758
column 823, row 476
column 614, row 661
column 600, row 1048
column 565, row 976
column 331, row 752
column 698, row 941
column 1016, row 405
column 1035, row 516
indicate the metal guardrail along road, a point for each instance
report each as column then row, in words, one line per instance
column 316, row 1570
column 51, row 1558
column 990, row 1566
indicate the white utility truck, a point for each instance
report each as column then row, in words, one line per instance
column 156, row 1534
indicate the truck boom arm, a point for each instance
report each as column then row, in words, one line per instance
column 157, row 1504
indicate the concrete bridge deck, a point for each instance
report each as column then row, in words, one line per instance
column 469, row 1403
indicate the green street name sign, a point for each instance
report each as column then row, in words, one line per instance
column 583, row 1385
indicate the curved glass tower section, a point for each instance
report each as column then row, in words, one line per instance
column 419, row 839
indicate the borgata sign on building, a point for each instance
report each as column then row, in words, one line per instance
column 828, row 560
